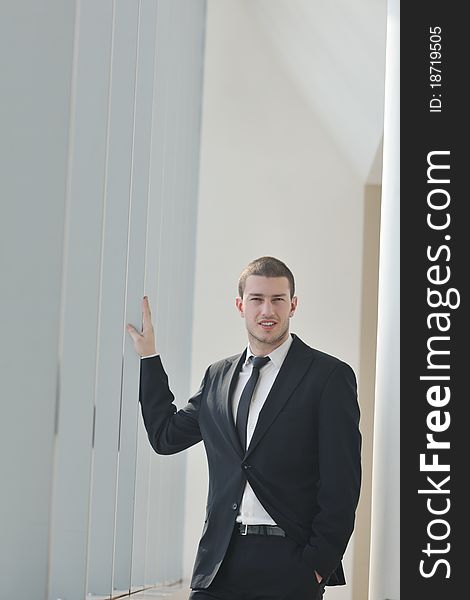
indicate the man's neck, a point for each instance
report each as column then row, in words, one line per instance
column 263, row 349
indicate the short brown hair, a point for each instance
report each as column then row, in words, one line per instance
column 266, row 266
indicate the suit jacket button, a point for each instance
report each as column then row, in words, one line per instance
column 234, row 506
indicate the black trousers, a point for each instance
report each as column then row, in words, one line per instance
column 259, row 567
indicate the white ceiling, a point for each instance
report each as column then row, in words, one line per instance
column 334, row 52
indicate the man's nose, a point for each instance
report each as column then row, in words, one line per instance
column 268, row 308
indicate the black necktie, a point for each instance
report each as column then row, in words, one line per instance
column 245, row 399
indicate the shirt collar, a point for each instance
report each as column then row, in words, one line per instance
column 277, row 356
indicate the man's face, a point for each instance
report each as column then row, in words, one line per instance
column 266, row 307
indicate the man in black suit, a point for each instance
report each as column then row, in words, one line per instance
column 280, row 425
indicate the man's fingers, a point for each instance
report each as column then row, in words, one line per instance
column 144, row 340
column 146, row 314
column 135, row 335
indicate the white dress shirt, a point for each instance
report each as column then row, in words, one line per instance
column 252, row 511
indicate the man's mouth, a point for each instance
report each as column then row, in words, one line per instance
column 267, row 324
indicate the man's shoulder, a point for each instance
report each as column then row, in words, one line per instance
column 320, row 357
column 225, row 363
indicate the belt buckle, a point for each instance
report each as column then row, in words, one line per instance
column 246, row 529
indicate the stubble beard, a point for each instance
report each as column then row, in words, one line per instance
column 270, row 342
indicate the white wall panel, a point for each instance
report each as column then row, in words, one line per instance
column 112, row 309
column 36, row 47
column 174, row 182
column 80, row 303
column 134, row 287
column 385, row 532
column 143, row 512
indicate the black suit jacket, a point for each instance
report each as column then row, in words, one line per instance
column 303, row 461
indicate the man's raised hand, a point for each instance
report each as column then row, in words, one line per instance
column 144, row 343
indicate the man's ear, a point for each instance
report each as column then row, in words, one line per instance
column 293, row 305
column 239, row 305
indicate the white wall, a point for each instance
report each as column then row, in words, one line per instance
column 36, row 42
column 100, row 122
column 273, row 181
column 385, row 538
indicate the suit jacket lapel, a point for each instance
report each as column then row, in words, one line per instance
column 230, row 381
column 293, row 368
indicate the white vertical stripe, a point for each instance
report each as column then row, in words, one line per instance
column 36, row 54
column 78, row 363
column 385, row 535
column 129, row 32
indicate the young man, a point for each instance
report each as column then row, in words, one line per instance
column 280, row 424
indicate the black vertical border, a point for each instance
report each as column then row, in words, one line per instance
column 422, row 132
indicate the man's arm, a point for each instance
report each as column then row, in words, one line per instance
column 340, row 471
column 169, row 430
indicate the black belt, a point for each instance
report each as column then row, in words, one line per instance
column 243, row 529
